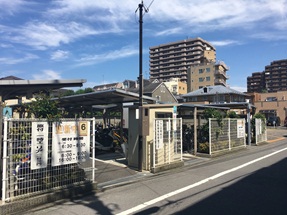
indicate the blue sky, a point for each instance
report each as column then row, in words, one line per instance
column 98, row 40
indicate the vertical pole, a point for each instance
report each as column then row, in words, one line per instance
column 4, row 172
column 195, row 130
column 1, row 141
column 169, row 129
column 229, row 134
column 154, row 143
column 140, row 139
column 249, row 124
column 209, row 130
column 94, row 148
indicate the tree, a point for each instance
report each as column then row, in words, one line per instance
column 44, row 107
column 231, row 114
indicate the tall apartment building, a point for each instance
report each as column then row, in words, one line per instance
column 256, row 82
column 172, row 60
column 272, row 79
column 209, row 73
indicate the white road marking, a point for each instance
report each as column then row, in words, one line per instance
column 163, row 197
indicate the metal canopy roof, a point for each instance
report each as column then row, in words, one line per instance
column 10, row 89
column 234, row 105
column 114, row 96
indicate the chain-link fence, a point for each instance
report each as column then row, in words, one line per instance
column 167, row 147
column 226, row 135
column 40, row 155
column 260, row 131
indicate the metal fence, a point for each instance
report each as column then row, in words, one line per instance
column 260, row 131
column 167, row 147
column 40, row 155
column 226, row 135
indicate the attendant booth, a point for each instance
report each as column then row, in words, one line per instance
column 161, row 137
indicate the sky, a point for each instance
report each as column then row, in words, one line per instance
column 98, row 40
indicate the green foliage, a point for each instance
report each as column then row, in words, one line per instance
column 80, row 91
column 214, row 113
column 88, row 90
column 68, row 93
column 232, row 114
column 203, row 147
column 44, row 107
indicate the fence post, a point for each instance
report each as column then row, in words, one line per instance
column 93, row 148
column 256, row 131
column 4, row 173
column 209, row 121
column 180, row 120
column 229, row 138
column 153, row 145
column 169, row 128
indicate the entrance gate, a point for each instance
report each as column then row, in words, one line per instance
column 167, row 147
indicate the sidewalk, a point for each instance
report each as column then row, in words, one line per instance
column 112, row 169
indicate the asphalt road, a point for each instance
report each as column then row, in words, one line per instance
column 251, row 181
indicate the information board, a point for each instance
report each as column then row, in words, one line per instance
column 70, row 142
column 240, row 128
column 39, row 145
column 159, row 134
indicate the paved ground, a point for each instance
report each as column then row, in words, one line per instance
column 112, row 168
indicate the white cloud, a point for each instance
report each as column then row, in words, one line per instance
column 65, row 21
column 169, row 31
column 109, row 56
column 12, row 61
column 42, row 35
column 47, row 75
column 224, row 42
column 210, row 15
column 59, row 55
column 11, row 7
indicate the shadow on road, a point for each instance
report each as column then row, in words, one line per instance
column 263, row 192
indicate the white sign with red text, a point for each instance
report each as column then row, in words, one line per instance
column 70, row 142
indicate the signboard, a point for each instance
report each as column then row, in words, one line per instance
column 240, row 128
column 70, row 142
column 159, row 134
column 39, row 145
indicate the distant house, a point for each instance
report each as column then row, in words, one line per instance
column 215, row 95
column 11, row 77
column 156, row 90
column 117, row 85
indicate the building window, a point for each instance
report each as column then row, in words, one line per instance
column 200, row 71
column 208, row 78
column 207, row 69
column 201, row 79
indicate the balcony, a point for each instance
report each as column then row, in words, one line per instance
column 219, row 81
column 221, row 73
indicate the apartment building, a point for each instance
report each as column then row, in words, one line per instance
column 176, row 87
column 209, row 73
column 172, row 60
column 272, row 79
column 271, row 104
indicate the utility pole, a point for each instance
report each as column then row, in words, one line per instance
column 140, row 79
